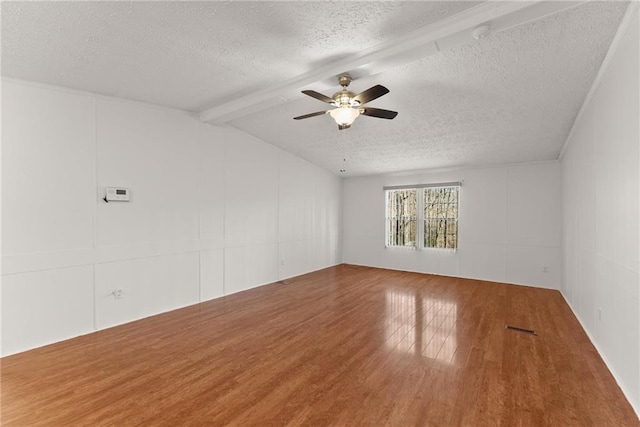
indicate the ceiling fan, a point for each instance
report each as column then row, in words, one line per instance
column 349, row 105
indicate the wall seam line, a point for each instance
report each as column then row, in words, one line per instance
column 95, row 212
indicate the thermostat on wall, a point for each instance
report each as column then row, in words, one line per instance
column 117, row 194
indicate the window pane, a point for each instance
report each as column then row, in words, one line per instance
column 401, row 217
column 441, row 217
column 402, row 232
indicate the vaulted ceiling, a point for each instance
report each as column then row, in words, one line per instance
column 509, row 97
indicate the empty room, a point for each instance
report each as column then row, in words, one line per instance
column 320, row 213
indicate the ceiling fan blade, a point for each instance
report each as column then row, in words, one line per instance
column 379, row 113
column 319, row 96
column 370, row 94
column 306, row 116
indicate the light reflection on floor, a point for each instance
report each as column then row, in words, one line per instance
column 421, row 325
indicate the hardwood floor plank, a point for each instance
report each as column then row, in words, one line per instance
column 342, row 346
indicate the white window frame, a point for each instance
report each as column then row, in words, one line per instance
column 420, row 229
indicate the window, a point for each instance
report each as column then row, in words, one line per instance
column 422, row 216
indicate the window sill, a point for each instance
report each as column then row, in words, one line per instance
column 413, row 248
column 402, row 248
column 450, row 250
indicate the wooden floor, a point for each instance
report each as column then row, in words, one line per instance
column 342, row 346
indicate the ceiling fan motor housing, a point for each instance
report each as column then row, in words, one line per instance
column 344, row 98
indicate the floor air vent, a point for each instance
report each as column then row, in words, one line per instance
column 523, row 330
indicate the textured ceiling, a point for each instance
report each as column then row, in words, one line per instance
column 510, row 97
column 193, row 55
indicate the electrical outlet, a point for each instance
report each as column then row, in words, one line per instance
column 545, row 269
column 118, row 293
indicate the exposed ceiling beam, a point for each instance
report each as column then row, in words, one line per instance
column 410, row 47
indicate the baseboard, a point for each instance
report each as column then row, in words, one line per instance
column 616, row 377
column 503, row 282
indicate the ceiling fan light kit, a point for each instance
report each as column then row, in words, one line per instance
column 344, row 116
column 349, row 105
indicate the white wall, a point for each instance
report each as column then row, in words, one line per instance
column 509, row 225
column 601, row 213
column 212, row 212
